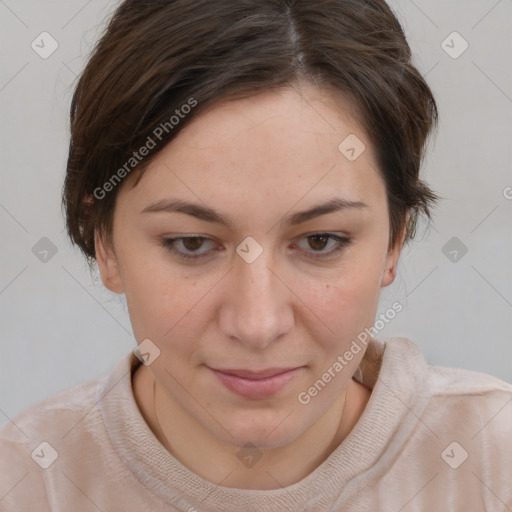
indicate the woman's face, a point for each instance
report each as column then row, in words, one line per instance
column 254, row 289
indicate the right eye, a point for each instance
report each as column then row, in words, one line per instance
column 190, row 243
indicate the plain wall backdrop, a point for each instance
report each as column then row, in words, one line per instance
column 61, row 327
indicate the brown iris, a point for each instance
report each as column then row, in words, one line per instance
column 192, row 243
column 323, row 242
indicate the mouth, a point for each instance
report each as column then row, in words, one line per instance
column 256, row 385
column 255, row 375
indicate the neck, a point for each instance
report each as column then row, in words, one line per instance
column 229, row 466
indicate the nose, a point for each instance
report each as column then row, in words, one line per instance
column 256, row 307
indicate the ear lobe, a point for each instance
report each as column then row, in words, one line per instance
column 107, row 264
column 389, row 273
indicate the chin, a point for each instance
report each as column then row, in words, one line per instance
column 263, row 435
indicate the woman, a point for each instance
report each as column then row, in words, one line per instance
column 247, row 173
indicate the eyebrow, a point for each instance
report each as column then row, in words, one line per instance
column 210, row 215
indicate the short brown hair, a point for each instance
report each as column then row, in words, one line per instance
column 155, row 56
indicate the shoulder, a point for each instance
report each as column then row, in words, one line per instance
column 450, row 404
column 467, row 410
column 440, row 381
column 475, row 403
column 458, row 391
column 460, row 381
column 33, row 442
column 52, row 414
column 457, row 422
column 474, row 393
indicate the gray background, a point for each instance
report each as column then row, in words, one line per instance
column 60, row 327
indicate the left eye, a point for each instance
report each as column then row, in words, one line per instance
column 317, row 242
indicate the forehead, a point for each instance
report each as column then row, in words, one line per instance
column 277, row 145
column 277, row 118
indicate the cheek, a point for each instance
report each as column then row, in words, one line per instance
column 347, row 304
column 165, row 305
column 348, row 308
column 154, row 293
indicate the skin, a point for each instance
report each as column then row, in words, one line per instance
column 255, row 161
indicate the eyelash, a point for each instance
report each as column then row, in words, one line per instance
column 169, row 244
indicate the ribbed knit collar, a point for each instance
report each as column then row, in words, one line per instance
column 393, row 368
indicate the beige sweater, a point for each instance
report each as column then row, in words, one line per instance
column 431, row 439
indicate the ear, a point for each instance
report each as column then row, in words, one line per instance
column 107, row 264
column 391, row 262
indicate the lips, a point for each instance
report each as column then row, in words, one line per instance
column 256, row 385
column 256, row 375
